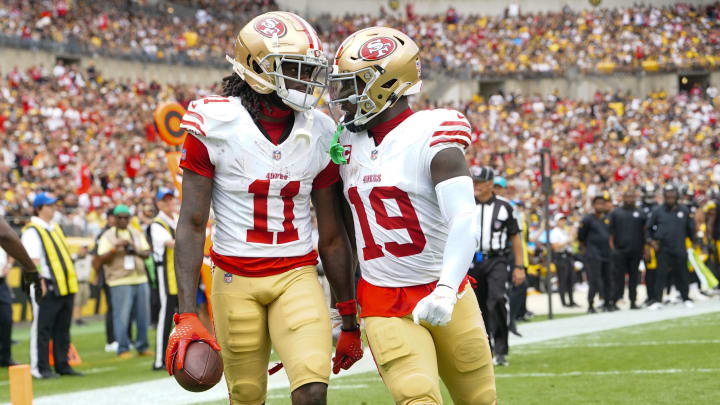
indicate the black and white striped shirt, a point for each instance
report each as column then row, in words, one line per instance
column 496, row 224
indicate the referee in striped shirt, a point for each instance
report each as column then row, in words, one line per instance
column 499, row 240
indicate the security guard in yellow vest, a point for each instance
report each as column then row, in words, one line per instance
column 52, row 315
column 162, row 238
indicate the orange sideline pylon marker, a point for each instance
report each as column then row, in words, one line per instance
column 20, row 385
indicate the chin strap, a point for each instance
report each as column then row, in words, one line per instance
column 305, row 133
column 336, row 150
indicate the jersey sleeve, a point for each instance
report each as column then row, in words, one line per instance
column 195, row 157
column 327, row 177
column 324, row 129
column 204, row 116
column 450, row 129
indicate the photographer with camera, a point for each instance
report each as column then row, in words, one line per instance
column 122, row 251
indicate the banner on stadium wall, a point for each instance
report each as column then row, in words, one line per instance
column 167, row 119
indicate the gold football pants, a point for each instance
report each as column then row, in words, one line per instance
column 286, row 311
column 411, row 357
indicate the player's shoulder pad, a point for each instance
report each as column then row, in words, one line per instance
column 449, row 128
column 323, row 127
column 205, row 115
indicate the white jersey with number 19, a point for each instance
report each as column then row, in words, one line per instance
column 399, row 229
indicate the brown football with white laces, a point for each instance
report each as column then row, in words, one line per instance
column 202, row 369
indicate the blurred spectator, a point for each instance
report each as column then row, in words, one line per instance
column 53, row 305
column 601, row 39
column 627, row 240
column 6, row 318
column 593, row 236
column 561, row 243
column 669, row 225
column 83, row 270
column 122, row 251
column 162, row 239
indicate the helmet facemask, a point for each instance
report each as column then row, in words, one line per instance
column 355, row 88
column 299, row 80
column 352, row 88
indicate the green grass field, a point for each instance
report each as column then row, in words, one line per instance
column 668, row 362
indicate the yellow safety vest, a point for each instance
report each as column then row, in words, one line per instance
column 58, row 258
column 169, row 259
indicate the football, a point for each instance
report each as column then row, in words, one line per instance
column 202, row 369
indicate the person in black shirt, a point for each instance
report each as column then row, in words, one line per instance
column 649, row 202
column 668, row 226
column 594, row 237
column 712, row 224
column 499, row 237
column 627, row 237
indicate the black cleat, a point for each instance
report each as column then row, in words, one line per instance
column 500, row 360
column 70, row 372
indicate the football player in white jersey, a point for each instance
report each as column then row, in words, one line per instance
column 259, row 154
column 410, row 194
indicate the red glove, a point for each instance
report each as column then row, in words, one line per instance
column 349, row 346
column 188, row 328
column 348, row 350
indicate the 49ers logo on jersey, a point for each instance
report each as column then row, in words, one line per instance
column 270, row 27
column 377, row 48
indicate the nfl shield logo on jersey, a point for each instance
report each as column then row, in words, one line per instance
column 374, row 154
column 228, row 278
column 276, row 155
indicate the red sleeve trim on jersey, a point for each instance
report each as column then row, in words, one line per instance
column 196, row 115
column 439, row 141
column 450, row 123
column 462, row 133
column 195, row 157
column 194, row 125
column 327, row 177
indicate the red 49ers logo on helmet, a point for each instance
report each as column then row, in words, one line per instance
column 377, row 48
column 270, row 26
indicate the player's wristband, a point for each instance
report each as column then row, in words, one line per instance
column 348, row 307
column 519, row 266
column 357, row 326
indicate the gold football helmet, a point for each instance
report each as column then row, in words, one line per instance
column 281, row 52
column 372, row 69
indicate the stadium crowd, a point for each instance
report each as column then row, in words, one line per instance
column 93, row 144
column 62, row 125
column 90, row 142
column 552, row 43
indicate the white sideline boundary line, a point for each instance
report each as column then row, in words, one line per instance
column 167, row 392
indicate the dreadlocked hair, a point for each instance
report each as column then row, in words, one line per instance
column 234, row 86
